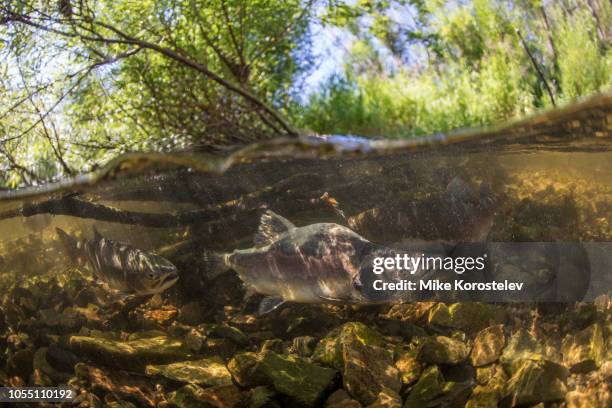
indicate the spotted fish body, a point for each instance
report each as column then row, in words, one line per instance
column 122, row 266
column 317, row 263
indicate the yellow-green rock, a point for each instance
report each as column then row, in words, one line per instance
column 584, row 351
column 535, row 381
column 443, row 350
column 488, row 345
column 302, row 382
column 206, row 372
column 428, row 387
column 329, row 350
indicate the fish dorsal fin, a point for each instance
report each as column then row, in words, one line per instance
column 271, row 226
column 269, row 304
column 97, row 235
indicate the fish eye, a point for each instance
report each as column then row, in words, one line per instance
column 150, row 275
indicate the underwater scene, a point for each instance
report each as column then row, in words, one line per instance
column 297, row 273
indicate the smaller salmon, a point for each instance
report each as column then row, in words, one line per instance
column 123, row 266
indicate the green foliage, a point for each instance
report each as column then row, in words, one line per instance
column 477, row 71
column 81, row 82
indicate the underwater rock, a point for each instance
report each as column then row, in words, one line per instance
column 194, row 339
column 467, row 316
column 207, row 372
column 341, row 399
column 484, row 397
column 120, row 383
column 409, row 367
column 303, row 383
column 131, row 355
column 20, row 363
column 584, row 351
column 522, row 345
column 304, row 345
column 61, row 359
column 414, row 312
column 43, row 371
column 368, row 371
column 192, row 396
column 443, row 350
column 428, row 387
column 537, row 380
column 219, row 347
column 163, row 317
column 488, row 345
column 491, row 388
column 591, row 397
column 486, row 373
column 262, row 397
column 225, row 331
column 387, row 399
column 329, row 350
column 69, row 320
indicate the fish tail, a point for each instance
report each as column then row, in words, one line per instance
column 70, row 243
column 215, row 263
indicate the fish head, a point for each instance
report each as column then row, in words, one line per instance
column 158, row 274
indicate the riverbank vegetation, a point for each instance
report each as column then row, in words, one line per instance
column 84, row 81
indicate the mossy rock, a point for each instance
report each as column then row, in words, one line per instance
column 467, row 316
column 474, row 316
column 131, row 355
column 225, row 331
column 484, row 397
column 206, row 372
column 409, row 367
column 522, row 345
column 439, row 315
column 192, row 396
column 368, row 371
column 329, row 350
column 488, row 345
column 584, row 351
column 443, row 350
column 428, row 387
column 303, row 383
column 535, row 381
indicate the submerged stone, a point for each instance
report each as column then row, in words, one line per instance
column 590, row 398
column 341, row 399
column 409, row 367
column 584, row 351
column 302, row 382
column 488, row 345
column 304, row 345
column 329, row 350
column 443, row 350
column 192, row 396
column 134, row 354
column 225, row 331
column 207, row 372
column 124, row 385
column 522, row 345
column 387, row 399
column 368, row 371
column 260, row 397
column 537, row 381
column 428, row 387
column 484, row 397
column 467, row 316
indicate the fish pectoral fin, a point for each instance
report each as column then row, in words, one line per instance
column 269, row 304
column 271, row 226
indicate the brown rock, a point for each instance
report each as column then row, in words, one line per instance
column 488, row 345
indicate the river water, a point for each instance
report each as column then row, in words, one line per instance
column 533, row 197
